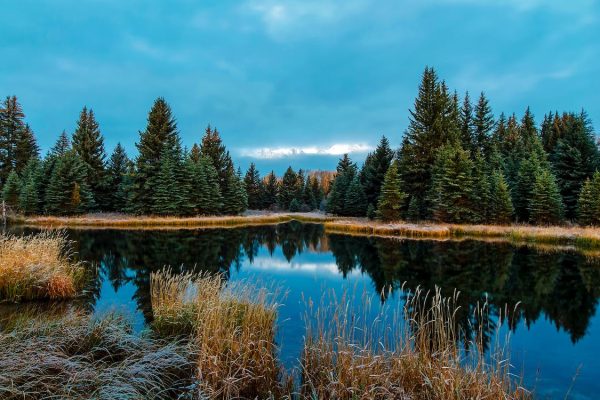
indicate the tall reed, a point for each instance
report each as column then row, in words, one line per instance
column 38, row 266
column 351, row 354
column 232, row 328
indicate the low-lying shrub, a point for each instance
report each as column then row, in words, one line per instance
column 38, row 267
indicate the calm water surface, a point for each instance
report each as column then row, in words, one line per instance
column 554, row 337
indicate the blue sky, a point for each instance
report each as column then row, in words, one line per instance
column 291, row 81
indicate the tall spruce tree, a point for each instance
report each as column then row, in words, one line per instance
column 254, row 189
column 270, row 191
column 213, row 199
column 545, row 206
column 118, row 169
column 374, row 169
column 345, row 172
column 167, row 194
column 11, row 127
column 500, row 204
column 12, row 190
column 467, row 134
column 89, row 144
column 26, row 148
column 308, row 195
column 392, row 198
column 453, row 191
column 68, row 191
column 432, row 124
column 288, row 188
column 212, row 147
column 589, row 201
column 483, row 123
column 235, row 198
column 161, row 131
column 29, row 198
column 356, row 199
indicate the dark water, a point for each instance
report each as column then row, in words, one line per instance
column 555, row 335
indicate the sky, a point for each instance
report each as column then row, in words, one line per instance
column 295, row 82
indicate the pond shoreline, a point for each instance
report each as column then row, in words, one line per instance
column 578, row 237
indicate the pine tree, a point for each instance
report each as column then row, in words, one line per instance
column 452, row 194
column 374, row 169
column 294, row 205
column 308, row 194
column 195, row 153
column 345, row 172
column 26, row 148
column 270, row 191
column 213, row 199
column 317, row 191
column 483, row 124
column 573, row 155
column 356, row 199
column 12, row 190
column 589, row 201
column 89, row 145
column 389, row 207
column 62, row 145
column 29, row 199
column 166, row 199
column 288, row 188
column 500, row 204
column 119, row 166
column 235, row 199
column 253, row 185
column 212, row 147
column 467, row 134
column 67, row 191
column 545, row 207
column 523, row 190
column 482, row 189
column 11, row 127
column 433, row 123
column 161, row 131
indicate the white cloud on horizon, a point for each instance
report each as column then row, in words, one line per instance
column 337, row 149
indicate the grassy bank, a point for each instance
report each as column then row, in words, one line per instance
column 214, row 341
column 580, row 237
column 38, row 267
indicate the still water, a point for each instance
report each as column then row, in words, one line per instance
column 555, row 335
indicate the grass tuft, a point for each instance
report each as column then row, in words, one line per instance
column 38, row 267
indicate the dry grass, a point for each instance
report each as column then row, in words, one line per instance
column 78, row 357
column 38, row 267
column 346, row 357
column 232, row 328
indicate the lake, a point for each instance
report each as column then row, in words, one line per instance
column 555, row 333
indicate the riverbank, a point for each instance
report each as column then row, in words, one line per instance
column 579, row 237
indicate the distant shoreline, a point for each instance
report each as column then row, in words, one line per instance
column 578, row 237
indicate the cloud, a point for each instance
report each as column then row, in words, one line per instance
column 281, row 152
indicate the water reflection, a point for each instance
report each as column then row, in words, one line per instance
column 563, row 286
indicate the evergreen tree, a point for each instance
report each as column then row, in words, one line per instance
column 12, row 190
column 317, row 191
column 452, row 195
column 523, row 191
column 11, row 127
column 432, row 124
column 213, row 199
column 167, row 195
column 270, row 191
column 67, row 191
column 356, row 199
column 29, row 199
column 89, row 145
column 161, row 131
column 118, row 168
column 196, row 153
column 288, row 188
column 500, row 205
column 62, row 145
column 308, row 194
column 26, row 148
column 294, row 205
column 589, row 201
column 345, row 172
column 374, row 169
column 467, row 134
column 212, row 147
column 482, row 189
column 254, row 189
column 235, row 197
column 483, row 124
column 545, row 207
column 391, row 200
column 573, row 155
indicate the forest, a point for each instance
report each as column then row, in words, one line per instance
column 457, row 163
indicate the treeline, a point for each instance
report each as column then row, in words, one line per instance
column 77, row 176
column 458, row 164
